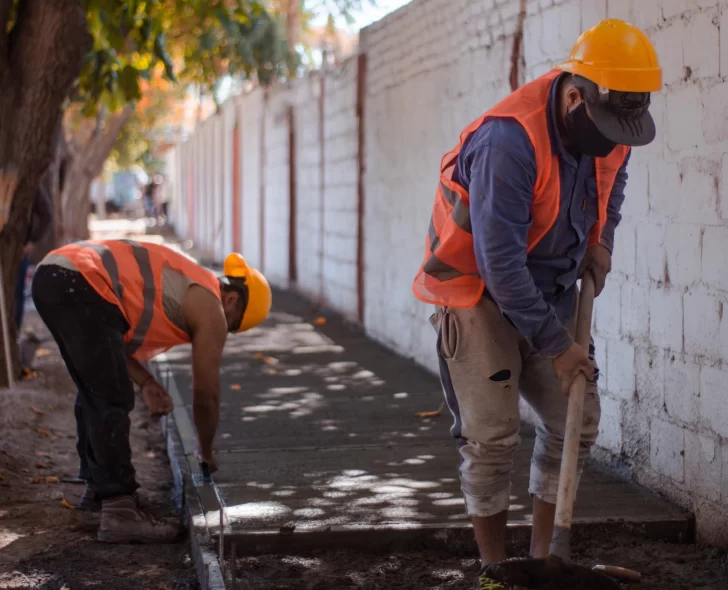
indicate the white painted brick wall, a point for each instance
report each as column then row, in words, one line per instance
column 340, row 229
column 667, row 450
column 276, row 204
column 251, row 117
column 659, row 327
column 662, row 340
column 309, row 198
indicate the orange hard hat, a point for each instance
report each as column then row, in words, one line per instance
column 615, row 55
column 260, row 297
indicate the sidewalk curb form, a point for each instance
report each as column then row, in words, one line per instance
column 186, row 497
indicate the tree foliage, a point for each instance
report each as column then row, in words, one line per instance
column 159, row 113
column 194, row 41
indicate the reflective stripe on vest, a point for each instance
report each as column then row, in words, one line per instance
column 109, row 262
column 128, row 274
column 141, row 255
column 449, row 275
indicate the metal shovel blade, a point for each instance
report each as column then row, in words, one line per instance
column 551, row 573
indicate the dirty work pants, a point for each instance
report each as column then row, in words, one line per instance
column 484, row 365
column 90, row 334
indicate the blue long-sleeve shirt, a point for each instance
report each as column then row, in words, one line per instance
column 534, row 290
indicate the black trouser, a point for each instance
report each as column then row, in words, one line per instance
column 90, row 334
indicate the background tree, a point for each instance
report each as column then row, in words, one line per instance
column 94, row 53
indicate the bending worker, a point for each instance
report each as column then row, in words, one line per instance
column 110, row 304
column 528, row 199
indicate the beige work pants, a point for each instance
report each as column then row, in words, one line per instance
column 484, row 365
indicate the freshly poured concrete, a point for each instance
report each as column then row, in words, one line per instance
column 318, row 430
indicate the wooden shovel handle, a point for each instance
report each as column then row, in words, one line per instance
column 619, row 573
column 572, row 438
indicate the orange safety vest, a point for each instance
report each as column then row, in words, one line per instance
column 449, row 274
column 129, row 275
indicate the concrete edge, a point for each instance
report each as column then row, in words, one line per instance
column 185, row 492
column 202, row 546
column 436, row 536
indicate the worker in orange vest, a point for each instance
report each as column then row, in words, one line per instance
column 113, row 303
column 529, row 198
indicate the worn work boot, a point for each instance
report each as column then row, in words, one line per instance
column 123, row 521
column 484, row 582
column 89, row 501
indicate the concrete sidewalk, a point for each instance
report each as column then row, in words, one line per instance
column 319, row 431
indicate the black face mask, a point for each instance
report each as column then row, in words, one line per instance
column 584, row 134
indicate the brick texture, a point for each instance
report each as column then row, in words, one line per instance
column 660, row 327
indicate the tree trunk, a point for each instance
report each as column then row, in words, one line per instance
column 86, row 161
column 39, row 60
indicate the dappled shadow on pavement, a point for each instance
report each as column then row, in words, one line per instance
column 319, row 429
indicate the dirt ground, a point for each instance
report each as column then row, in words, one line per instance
column 46, row 544
column 664, row 566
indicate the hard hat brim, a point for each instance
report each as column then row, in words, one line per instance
column 632, row 132
column 622, row 79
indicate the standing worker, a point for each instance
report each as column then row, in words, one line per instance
column 110, row 304
column 528, row 199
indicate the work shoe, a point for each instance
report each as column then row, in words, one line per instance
column 484, row 582
column 88, row 500
column 123, row 521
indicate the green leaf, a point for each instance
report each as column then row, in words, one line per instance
column 161, row 53
column 129, row 82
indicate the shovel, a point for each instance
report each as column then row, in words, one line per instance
column 557, row 571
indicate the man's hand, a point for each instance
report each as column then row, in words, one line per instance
column 209, row 458
column 157, row 399
column 598, row 259
column 569, row 364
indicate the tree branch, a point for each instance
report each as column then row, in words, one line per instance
column 99, row 122
column 104, row 144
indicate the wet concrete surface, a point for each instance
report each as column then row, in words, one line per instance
column 319, row 429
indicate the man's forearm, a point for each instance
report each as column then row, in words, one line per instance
column 206, row 415
column 137, row 373
column 524, row 305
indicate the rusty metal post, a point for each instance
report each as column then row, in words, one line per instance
column 262, row 179
column 322, row 172
column 292, row 199
column 361, row 67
